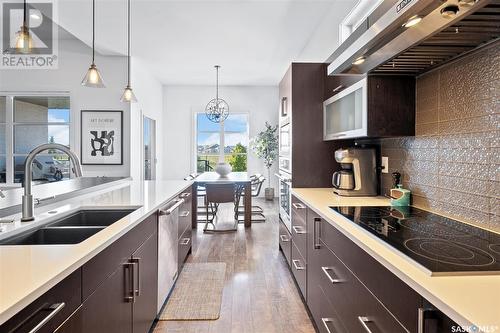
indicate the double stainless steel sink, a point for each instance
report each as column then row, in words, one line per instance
column 71, row 229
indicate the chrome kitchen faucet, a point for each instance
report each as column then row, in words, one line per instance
column 28, row 205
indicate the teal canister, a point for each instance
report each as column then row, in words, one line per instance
column 400, row 196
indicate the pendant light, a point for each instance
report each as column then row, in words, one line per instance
column 128, row 94
column 24, row 42
column 93, row 78
column 217, row 109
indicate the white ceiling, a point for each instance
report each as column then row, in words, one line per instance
column 253, row 41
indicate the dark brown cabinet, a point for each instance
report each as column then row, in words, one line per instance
column 285, row 242
column 184, row 230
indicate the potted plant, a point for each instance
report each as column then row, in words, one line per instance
column 265, row 146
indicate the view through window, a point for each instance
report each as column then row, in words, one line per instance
column 208, row 141
column 35, row 120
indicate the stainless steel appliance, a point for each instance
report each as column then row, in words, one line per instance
column 359, row 176
column 414, row 36
column 168, row 224
column 285, row 198
column 285, row 146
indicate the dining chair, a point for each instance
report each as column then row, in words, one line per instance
column 257, row 211
column 215, row 194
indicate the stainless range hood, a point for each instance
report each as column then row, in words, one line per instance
column 447, row 30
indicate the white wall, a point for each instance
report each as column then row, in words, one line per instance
column 74, row 60
column 182, row 102
column 149, row 93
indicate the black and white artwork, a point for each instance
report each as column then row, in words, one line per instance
column 101, row 135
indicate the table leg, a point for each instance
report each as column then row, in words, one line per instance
column 248, row 204
column 194, row 206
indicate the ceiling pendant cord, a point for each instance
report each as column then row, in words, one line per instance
column 128, row 46
column 24, row 15
column 93, row 32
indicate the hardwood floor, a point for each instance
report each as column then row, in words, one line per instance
column 259, row 295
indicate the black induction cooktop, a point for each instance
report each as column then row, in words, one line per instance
column 438, row 243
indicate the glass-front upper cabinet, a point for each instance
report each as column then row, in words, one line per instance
column 345, row 114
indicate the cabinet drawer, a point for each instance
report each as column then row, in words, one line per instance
column 299, row 210
column 73, row 324
column 95, row 271
column 357, row 307
column 326, row 318
column 51, row 309
column 185, row 212
column 184, row 247
column 299, row 270
column 397, row 297
column 299, row 236
column 285, row 241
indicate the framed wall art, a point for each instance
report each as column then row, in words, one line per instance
column 101, row 137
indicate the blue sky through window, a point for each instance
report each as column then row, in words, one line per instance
column 235, row 128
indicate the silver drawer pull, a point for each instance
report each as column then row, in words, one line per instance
column 184, row 213
column 172, row 209
column 296, row 263
column 54, row 309
column 298, row 230
column 325, row 322
column 185, row 241
column 364, row 322
column 325, row 270
column 284, row 239
column 297, row 205
column 184, row 195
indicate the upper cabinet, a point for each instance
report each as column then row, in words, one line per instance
column 373, row 106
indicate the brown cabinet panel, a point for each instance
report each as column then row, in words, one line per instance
column 285, row 242
column 299, row 211
column 299, row 270
column 325, row 317
column 95, row 271
column 145, row 305
column 73, row 324
column 336, row 83
column 185, row 212
column 57, row 303
column 185, row 243
column 396, row 296
column 107, row 310
column 299, row 232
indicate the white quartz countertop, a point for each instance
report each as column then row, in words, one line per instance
column 467, row 299
column 28, row 271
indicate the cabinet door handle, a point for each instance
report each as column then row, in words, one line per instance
column 284, row 111
column 184, row 195
column 337, row 136
column 364, row 322
column 172, row 209
column 421, row 319
column 339, row 88
column 54, row 309
column 184, row 213
column 284, row 239
column 297, row 205
column 317, row 233
column 325, row 322
column 297, row 266
column 185, row 241
column 298, row 230
column 138, row 262
column 130, row 269
column 325, row 270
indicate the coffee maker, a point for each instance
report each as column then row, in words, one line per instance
column 358, row 176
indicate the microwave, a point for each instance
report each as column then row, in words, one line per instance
column 345, row 115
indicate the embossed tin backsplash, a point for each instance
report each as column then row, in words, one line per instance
column 452, row 165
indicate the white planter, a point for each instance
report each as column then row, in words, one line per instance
column 223, row 169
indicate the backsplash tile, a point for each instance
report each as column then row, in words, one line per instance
column 452, row 165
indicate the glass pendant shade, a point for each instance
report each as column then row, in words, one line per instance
column 93, row 78
column 24, row 42
column 128, row 95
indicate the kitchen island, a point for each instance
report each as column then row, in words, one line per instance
column 29, row 271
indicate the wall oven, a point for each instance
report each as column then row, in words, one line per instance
column 285, row 198
column 285, row 148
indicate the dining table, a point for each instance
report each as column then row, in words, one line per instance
column 238, row 178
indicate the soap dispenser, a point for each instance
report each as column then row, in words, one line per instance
column 399, row 195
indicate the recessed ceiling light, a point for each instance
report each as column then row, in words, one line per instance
column 414, row 20
column 449, row 12
column 359, row 61
column 466, row 3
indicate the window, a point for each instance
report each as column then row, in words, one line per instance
column 209, row 136
column 32, row 121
